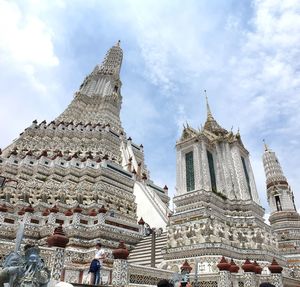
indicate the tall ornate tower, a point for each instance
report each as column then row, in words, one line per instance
column 217, row 205
column 80, row 170
column 216, row 160
column 284, row 218
column 98, row 100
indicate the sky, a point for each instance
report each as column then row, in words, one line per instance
column 246, row 54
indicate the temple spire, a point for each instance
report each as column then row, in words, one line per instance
column 103, row 85
column 112, row 62
column 209, row 114
column 273, row 170
column 265, row 145
column 211, row 124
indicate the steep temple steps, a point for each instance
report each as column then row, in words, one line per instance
column 141, row 254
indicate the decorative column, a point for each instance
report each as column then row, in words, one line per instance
column 276, row 276
column 3, row 210
column 205, row 167
column 29, row 210
column 185, row 271
column 224, row 274
column 258, row 270
column 76, row 215
column 120, row 265
column 53, row 214
column 249, row 274
column 102, row 214
column 166, row 189
column 141, row 226
column 59, row 240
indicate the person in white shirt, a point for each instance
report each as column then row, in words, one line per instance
column 96, row 265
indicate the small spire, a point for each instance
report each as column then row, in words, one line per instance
column 265, row 145
column 238, row 136
column 209, row 114
column 112, row 62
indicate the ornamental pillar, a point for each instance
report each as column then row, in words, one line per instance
column 3, row 210
column 141, row 226
column 77, row 214
column 120, row 265
column 276, row 276
column 249, row 274
column 59, row 241
column 102, row 214
column 29, row 210
column 53, row 214
column 224, row 273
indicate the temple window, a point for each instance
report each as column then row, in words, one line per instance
column 293, row 199
column 189, row 168
column 278, row 203
column 247, row 176
column 212, row 171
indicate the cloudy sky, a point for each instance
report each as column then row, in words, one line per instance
column 246, row 54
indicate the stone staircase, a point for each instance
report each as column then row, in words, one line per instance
column 141, row 254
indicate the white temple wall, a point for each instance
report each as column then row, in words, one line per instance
column 205, row 168
column 150, row 207
column 239, row 174
column 252, row 181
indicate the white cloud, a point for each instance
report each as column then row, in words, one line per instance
column 250, row 66
column 27, row 59
column 25, row 39
column 268, row 80
column 26, row 44
column 247, row 57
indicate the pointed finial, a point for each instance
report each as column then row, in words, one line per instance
column 265, row 145
column 209, row 115
column 118, row 43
